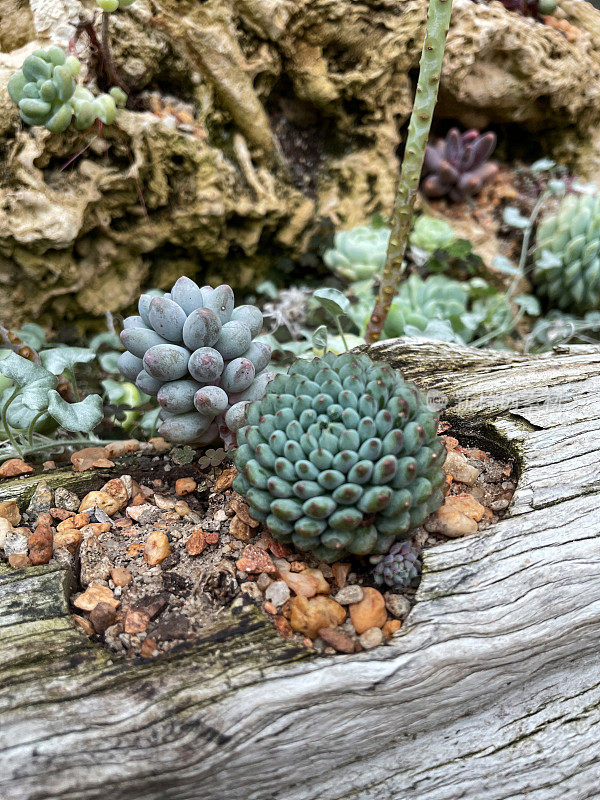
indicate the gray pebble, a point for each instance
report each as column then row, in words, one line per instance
column 349, row 594
column 371, row 638
column 278, row 593
column 397, row 605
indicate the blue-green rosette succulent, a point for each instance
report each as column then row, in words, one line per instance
column 340, row 456
column 47, row 94
column 359, row 253
column 430, row 234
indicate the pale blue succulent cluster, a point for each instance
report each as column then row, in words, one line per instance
column 359, row 253
column 197, row 353
column 340, row 456
column 47, row 94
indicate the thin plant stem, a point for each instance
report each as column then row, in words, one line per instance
column 436, row 29
column 341, row 332
column 37, row 417
column 6, row 426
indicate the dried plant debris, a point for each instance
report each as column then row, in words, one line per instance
column 160, row 555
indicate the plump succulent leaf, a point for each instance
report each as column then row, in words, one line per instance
column 82, row 416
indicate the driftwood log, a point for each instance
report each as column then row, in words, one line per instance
column 490, row 691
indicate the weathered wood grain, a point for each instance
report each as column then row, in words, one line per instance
column 490, row 691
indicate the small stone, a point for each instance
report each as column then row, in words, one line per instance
column 93, row 595
column 283, row 626
column 297, row 566
column 70, row 538
column 241, row 510
column 182, row 508
column 369, row 612
column 84, row 624
column 106, row 501
column 94, row 529
column 309, row 615
column 263, row 581
column 40, row 545
column 269, row 607
column 450, row 522
column 240, row 530
column 95, row 564
column 144, row 513
column 349, row 594
column 466, row 504
column 162, row 502
column 118, row 491
column 48, row 466
column 372, row 637
column 84, row 459
column 300, row 583
column 16, row 541
column 225, row 480
column 19, row 560
column 149, row 648
column 121, row 576
column 251, row 589
column 196, row 543
column 279, row 549
column 136, row 621
column 10, row 510
column 159, row 444
column 102, row 617
column 337, row 639
column 66, row 499
column 323, row 586
column 211, row 538
column 340, row 573
column 254, row 560
column 14, row 467
column 157, row 548
column 278, row 593
column 397, row 605
column 6, row 528
column 390, row 627
column 41, row 501
column 61, row 514
column 103, row 463
column 76, row 521
column 457, row 466
column 135, row 549
column 117, row 449
column 185, row 486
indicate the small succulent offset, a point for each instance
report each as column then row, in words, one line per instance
column 358, row 253
column 113, row 5
column 458, row 166
column 567, row 255
column 195, row 351
column 530, row 8
column 340, row 456
column 400, row 568
column 430, row 234
column 47, row 94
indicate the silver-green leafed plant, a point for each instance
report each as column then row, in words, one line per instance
column 47, row 93
column 340, row 456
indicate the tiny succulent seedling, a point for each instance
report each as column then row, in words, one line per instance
column 47, row 94
column 457, row 167
column 340, row 456
column 400, row 568
column 197, row 353
column 430, row 233
column 108, row 6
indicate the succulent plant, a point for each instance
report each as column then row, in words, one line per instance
column 530, row 8
column 47, row 94
column 400, row 568
column 195, row 351
column 113, row 5
column 423, row 304
column 358, row 253
column 567, row 255
column 340, row 456
column 458, row 165
column 430, row 233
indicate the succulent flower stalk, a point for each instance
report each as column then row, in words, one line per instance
column 340, row 456
column 436, row 29
column 196, row 351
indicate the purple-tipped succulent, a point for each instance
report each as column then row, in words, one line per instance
column 458, row 166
